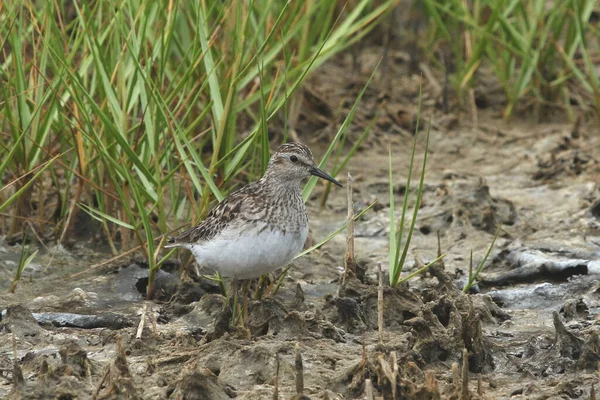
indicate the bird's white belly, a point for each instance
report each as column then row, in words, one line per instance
column 255, row 252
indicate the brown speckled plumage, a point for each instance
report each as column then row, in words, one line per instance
column 246, row 205
column 272, row 204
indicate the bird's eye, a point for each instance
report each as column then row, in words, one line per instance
column 293, row 158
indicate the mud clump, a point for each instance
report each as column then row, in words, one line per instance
column 565, row 352
column 65, row 379
column 462, row 201
column 438, row 342
column 199, row 384
column 446, row 328
column 74, row 359
column 191, row 289
column 271, row 317
column 571, row 347
column 595, row 209
column 566, row 159
column 574, row 309
column 346, row 313
column 19, row 320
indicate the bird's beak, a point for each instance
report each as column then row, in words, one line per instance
column 317, row 172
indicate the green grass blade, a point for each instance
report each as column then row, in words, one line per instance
column 392, row 216
column 473, row 277
column 28, row 184
column 336, row 232
column 420, row 270
column 398, row 270
column 102, row 217
column 313, row 181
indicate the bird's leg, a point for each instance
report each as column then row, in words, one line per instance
column 260, row 287
column 233, row 301
column 275, row 284
column 245, row 287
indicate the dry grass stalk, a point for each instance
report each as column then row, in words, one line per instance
column 18, row 380
column 116, row 369
column 73, row 209
column 349, row 260
column 299, row 371
column 386, row 369
column 465, row 377
column 380, row 304
column 14, row 344
column 466, row 79
column 455, row 377
column 435, row 84
column 369, row 389
column 430, row 382
column 394, row 373
column 384, row 57
column 388, row 372
column 593, row 391
column 101, row 383
column 276, row 382
column 119, row 380
column 106, row 262
column 413, row 369
column 140, row 328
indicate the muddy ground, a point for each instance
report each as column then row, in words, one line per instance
column 530, row 328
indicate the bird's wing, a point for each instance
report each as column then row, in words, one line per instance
column 238, row 202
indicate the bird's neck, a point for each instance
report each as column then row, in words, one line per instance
column 287, row 210
column 280, row 184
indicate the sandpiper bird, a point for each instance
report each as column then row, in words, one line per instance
column 260, row 227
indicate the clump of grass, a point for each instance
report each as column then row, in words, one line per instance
column 142, row 114
column 538, row 53
column 398, row 244
column 474, row 274
column 25, row 260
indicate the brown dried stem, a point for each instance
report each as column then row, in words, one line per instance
column 276, row 382
column 465, row 376
column 299, row 371
column 140, row 328
column 455, row 377
column 349, row 260
column 394, row 373
column 18, row 380
column 380, row 304
column 369, row 389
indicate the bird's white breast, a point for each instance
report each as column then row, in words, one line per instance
column 248, row 254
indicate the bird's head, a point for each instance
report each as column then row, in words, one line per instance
column 293, row 162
